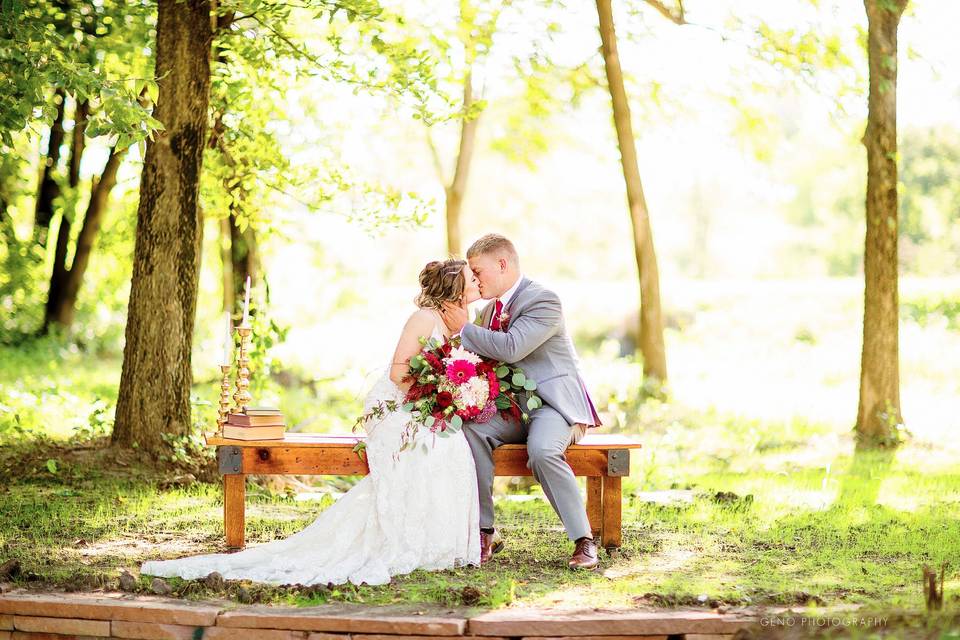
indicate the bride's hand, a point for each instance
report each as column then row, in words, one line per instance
column 455, row 315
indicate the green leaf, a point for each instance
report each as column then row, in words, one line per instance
column 456, row 423
column 503, row 402
column 52, row 465
column 532, row 403
column 503, row 372
column 530, row 385
column 429, row 421
column 408, row 407
column 518, row 379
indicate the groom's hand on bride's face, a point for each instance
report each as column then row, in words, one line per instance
column 455, row 316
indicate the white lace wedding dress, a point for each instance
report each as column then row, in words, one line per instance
column 415, row 510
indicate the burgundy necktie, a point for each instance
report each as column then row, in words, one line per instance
column 495, row 321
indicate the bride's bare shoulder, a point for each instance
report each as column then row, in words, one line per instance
column 421, row 318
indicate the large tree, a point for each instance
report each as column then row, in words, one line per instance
column 154, row 395
column 651, row 322
column 878, row 413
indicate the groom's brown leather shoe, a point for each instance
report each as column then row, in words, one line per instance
column 490, row 543
column 585, row 555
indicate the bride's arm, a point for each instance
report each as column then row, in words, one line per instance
column 419, row 325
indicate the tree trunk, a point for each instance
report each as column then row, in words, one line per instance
column 59, row 274
column 78, row 144
column 244, row 258
column 154, row 395
column 48, row 190
column 651, row 322
column 63, row 310
column 879, row 407
column 226, row 264
column 457, row 189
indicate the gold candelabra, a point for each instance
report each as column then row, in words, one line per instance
column 224, row 397
column 242, row 397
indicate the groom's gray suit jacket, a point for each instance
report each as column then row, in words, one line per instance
column 536, row 340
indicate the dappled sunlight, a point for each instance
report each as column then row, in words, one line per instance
column 134, row 549
column 660, row 563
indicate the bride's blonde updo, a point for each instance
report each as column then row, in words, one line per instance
column 441, row 281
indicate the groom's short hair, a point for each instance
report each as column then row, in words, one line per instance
column 494, row 244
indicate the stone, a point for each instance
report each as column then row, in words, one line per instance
column 541, row 622
column 214, row 581
column 233, row 633
column 341, row 619
column 66, row 626
column 152, row 631
column 6, row 623
column 160, row 587
column 10, row 569
column 110, row 607
column 128, row 582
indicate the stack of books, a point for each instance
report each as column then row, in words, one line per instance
column 255, row 423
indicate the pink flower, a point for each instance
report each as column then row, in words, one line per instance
column 494, row 383
column 459, row 371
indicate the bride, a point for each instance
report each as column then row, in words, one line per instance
column 415, row 510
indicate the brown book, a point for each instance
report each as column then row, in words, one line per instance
column 234, row 432
column 242, row 420
column 261, row 411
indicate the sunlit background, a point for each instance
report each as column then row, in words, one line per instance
column 754, row 176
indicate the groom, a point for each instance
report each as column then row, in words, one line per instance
column 524, row 326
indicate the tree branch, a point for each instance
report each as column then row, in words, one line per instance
column 677, row 16
column 437, row 164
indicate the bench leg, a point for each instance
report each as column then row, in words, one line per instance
column 594, row 505
column 610, row 534
column 234, row 503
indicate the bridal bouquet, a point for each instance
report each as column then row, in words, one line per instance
column 452, row 385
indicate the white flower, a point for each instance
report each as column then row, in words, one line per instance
column 459, row 353
column 475, row 392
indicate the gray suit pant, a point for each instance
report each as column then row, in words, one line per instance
column 547, row 436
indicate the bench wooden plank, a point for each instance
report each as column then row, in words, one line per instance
column 595, row 504
column 340, row 461
column 611, row 527
column 234, row 506
column 347, row 440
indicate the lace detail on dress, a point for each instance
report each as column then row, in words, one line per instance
column 386, row 525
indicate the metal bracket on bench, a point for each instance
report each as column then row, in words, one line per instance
column 230, row 460
column 618, row 462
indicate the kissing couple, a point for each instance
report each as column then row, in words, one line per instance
column 432, row 508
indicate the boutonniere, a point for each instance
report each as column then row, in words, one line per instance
column 504, row 320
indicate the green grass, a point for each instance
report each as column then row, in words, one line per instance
column 765, row 511
column 857, row 535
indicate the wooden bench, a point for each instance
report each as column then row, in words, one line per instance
column 602, row 458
